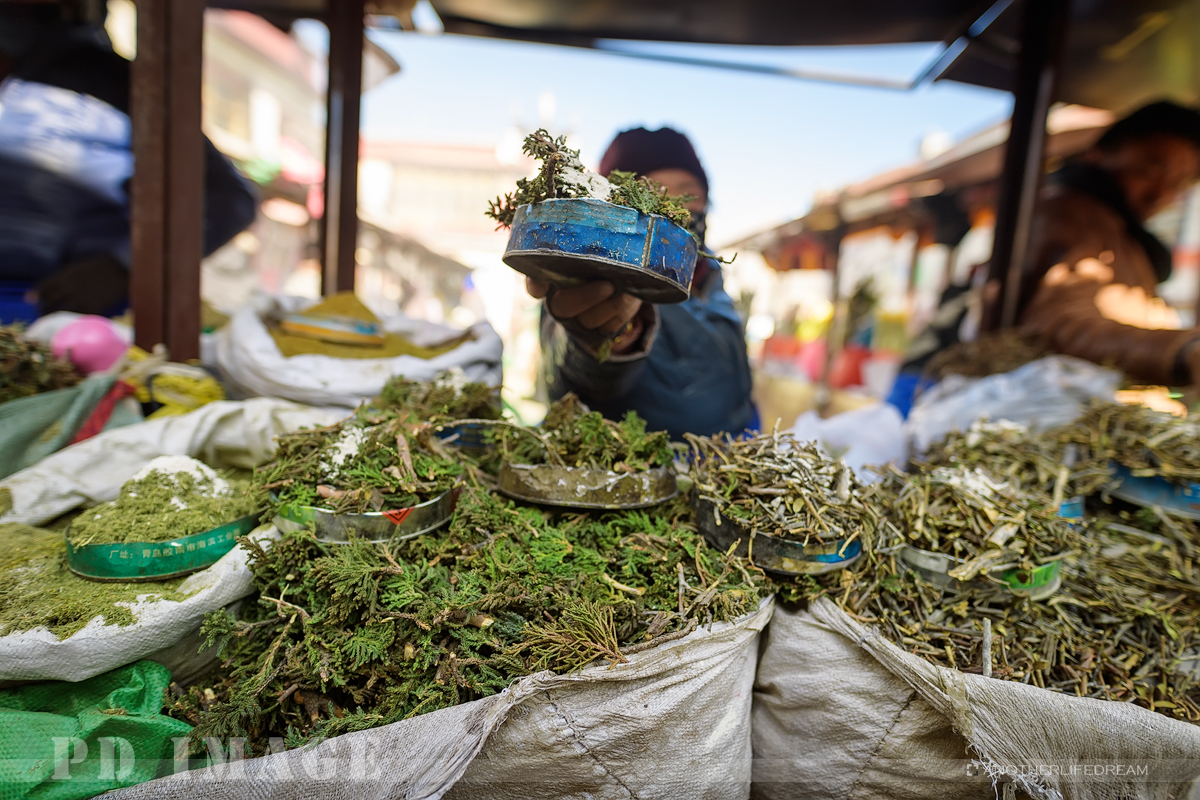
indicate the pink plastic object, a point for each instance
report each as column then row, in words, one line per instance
column 91, row 343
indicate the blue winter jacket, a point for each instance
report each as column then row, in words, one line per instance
column 689, row 373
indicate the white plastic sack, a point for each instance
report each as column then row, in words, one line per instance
column 673, row 722
column 222, row 434
column 249, row 360
column 841, row 713
column 1042, row 394
column 865, row 437
column 160, row 624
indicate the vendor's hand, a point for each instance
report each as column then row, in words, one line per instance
column 595, row 307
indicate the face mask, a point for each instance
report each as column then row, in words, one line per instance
column 697, row 224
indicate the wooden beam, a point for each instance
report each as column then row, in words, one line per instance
column 167, row 190
column 1043, row 34
column 339, row 225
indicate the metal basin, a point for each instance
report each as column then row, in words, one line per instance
column 771, row 553
column 379, row 527
column 569, row 242
column 155, row 561
column 582, row 487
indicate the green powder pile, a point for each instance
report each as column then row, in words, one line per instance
column 37, row 590
column 163, row 506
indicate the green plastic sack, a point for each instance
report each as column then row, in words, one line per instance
column 57, row 742
column 32, row 428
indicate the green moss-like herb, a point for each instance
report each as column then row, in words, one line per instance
column 353, row 467
column 582, row 438
column 37, row 590
column 438, row 401
column 160, row 507
column 562, row 175
column 28, row 368
column 347, row 637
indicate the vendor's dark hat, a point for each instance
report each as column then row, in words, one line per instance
column 1163, row 117
column 642, row 151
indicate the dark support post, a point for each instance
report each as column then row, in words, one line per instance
column 167, row 190
column 339, row 226
column 1043, row 31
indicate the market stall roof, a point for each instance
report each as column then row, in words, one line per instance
column 746, row 22
column 1118, row 54
column 973, row 161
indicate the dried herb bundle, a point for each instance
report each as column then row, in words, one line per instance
column 1122, row 625
column 347, row 637
column 562, row 175
column 1148, row 442
column 1042, row 462
column 774, row 485
column 28, row 367
column 445, row 399
column 990, row 354
column 970, row 515
column 572, row 436
column 354, row 467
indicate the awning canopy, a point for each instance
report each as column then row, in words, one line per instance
column 1119, row 52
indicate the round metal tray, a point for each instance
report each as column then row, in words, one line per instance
column 569, row 242
column 772, row 553
column 1180, row 499
column 155, row 561
column 1038, row 584
column 379, row 527
column 582, row 487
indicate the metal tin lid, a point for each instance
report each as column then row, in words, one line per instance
column 375, row 526
column 772, row 553
column 153, row 561
column 568, row 242
column 583, row 487
column 1180, row 499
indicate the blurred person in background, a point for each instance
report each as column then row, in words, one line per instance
column 682, row 367
column 1089, row 287
column 65, row 164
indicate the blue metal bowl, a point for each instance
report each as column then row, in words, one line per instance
column 569, row 242
column 1179, row 498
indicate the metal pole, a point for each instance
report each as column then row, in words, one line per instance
column 1043, row 31
column 167, row 189
column 339, row 226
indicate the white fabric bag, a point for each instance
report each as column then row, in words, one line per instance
column 222, row 434
column 225, row 433
column 251, row 363
column 673, row 722
column 841, row 713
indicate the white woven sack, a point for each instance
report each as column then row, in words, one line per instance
column 222, row 434
column 840, row 712
column 228, row 434
column 673, row 722
column 251, row 362
column 160, row 624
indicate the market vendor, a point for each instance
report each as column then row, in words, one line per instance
column 1089, row 288
column 682, row 367
column 65, row 164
